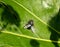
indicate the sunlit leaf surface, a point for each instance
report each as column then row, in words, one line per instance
column 16, row 29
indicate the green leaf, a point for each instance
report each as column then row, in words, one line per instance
column 15, row 14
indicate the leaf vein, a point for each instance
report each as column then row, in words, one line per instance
column 25, row 36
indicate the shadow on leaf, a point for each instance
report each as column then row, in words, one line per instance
column 9, row 16
column 55, row 23
column 34, row 43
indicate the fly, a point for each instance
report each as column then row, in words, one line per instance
column 30, row 25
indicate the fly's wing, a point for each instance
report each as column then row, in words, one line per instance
column 34, row 31
column 32, row 28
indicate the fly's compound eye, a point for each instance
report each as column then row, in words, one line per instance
column 29, row 24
